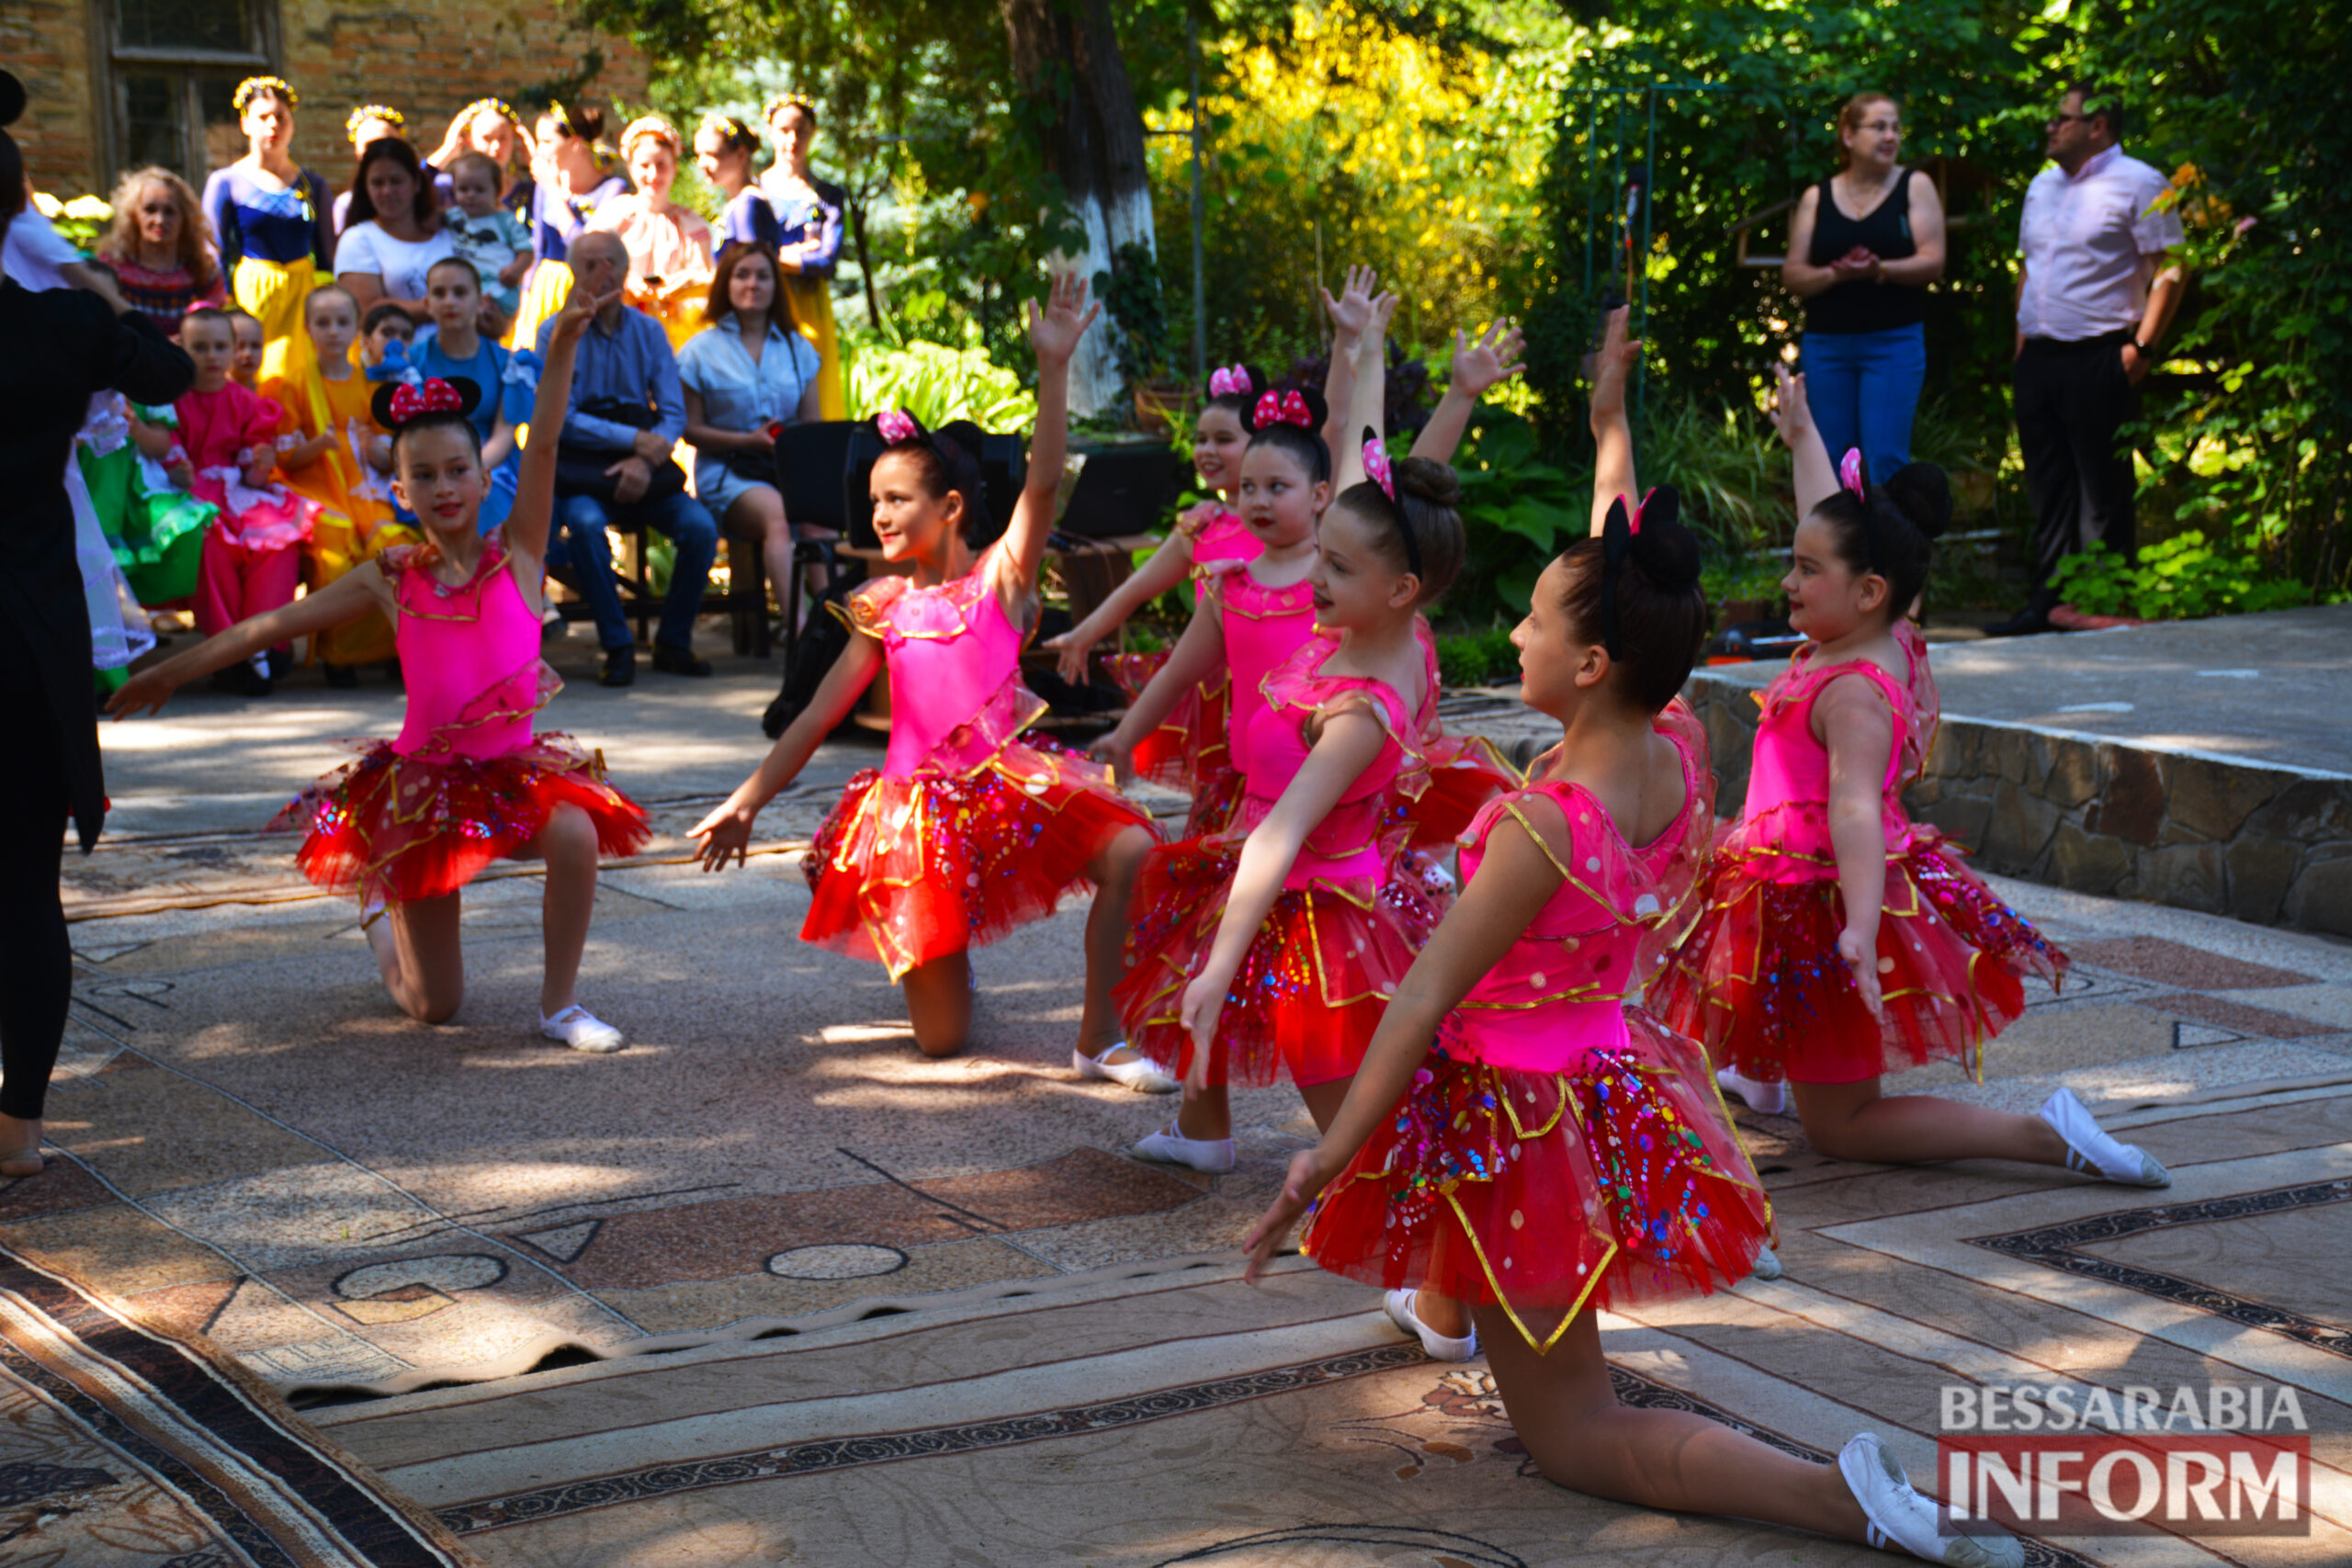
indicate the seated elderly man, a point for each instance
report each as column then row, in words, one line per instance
column 628, row 410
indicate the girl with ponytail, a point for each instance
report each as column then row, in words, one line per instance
column 1836, row 940
column 968, row 829
column 1520, row 1134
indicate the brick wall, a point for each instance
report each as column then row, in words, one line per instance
column 426, row 58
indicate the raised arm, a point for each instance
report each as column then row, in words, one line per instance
column 1515, row 880
column 1368, row 410
column 1477, row 367
column 1612, row 433
column 1054, row 331
column 1350, row 314
column 534, row 510
column 1816, row 472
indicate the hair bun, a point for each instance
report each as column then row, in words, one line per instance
column 1427, row 479
column 1922, row 493
column 12, row 98
column 1667, row 553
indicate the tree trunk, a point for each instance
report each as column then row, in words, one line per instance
column 1067, row 52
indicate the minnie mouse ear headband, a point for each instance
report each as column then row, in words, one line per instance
column 896, row 426
column 1652, row 536
column 1234, row 381
column 401, row 404
column 1282, row 408
column 1377, row 470
column 253, row 87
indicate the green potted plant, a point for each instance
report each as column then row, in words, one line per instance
column 1131, row 292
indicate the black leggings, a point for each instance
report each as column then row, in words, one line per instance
column 36, row 959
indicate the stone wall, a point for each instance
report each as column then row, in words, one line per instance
column 426, row 58
column 2270, row 845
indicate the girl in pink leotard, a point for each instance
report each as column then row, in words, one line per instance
column 968, row 830
column 414, row 819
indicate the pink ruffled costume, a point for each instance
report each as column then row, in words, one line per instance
column 967, row 830
column 1309, row 993
column 1189, row 750
column 466, row 783
column 251, row 562
column 1759, row 978
column 1560, row 1149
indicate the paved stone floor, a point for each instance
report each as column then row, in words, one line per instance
column 257, row 1146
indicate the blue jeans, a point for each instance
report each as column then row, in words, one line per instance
column 1864, row 387
column 582, row 545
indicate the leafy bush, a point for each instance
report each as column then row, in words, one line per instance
column 936, row 384
column 1477, row 659
column 2182, row 579
column 1518, row 513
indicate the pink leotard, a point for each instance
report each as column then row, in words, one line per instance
column 469, row 656
column 1346, row 843
column 1263, row 626
column 954, row 659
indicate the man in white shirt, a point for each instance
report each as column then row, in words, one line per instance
column 2097, row 288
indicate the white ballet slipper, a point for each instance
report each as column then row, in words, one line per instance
column 1901, row 1520
column 2091, row 1150
column 1138, row 1075
column 1167, row 1145
column 1771, row 1099
column 1768, row 1264
column 1436, row 1346
column 581, row 1030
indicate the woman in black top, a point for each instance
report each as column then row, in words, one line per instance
column 1863, row 247
column 57, row 347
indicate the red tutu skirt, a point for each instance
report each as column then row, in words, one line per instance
column 1545, row 1194
column 405, row 828
column 1311, row 988
column 1465, row 771
column 1759, row 978
column 906, row 871
column 1190, row 750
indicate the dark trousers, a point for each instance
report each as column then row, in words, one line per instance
column 2072, row 398
column 36, row 960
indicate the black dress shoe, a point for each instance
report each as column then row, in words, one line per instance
column 678, row 661
column 342, row 677
column 280, row 661
column 620, row 668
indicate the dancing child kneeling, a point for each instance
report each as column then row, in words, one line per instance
column 967, row 831
column 414, row 819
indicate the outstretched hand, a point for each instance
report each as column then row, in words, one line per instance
column 1612, row 368
column 1301, row 1186
column 1055, row 327
column 1493, row 357
column 1071, row 657
column 1792, row 415
column 724, row 834
column 1352, row 311
column 146, row 692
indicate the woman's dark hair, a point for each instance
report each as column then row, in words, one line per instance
column 1303, row 444
column 1420, row 531
column 945, row 459
column 424, row 207
column 1237, row 403
column 383, row 311
column 718, row 305
column 585, row 123
column 1894, row 533
column 459, row 418
column 12, row 163
column 1662, row 615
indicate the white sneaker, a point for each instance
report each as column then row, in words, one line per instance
column 1901, row 1520
column 1768, row 1264
column 1436, row 1346
column 1214, row 1155
column 1138, row 1075
column 1771, row 1099
column 581, row 1030
column 2091, row 1150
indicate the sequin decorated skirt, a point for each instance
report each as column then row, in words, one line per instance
column 403, row 828
column 1759, row 978
column 906, row 871
column 1310, row 990
column 1546, row 1193
column 1190, row 750
column 1465, row 771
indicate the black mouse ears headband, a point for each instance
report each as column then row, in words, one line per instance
column 12, row 98
column 1652, row 536
column 400, row 404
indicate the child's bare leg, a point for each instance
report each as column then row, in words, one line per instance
column 567, row 847
column 1566, row 1411
column 1208, row 1114
column 417, row 952
column 939, row 1003
column 1854, row 1120
column 1113, row 872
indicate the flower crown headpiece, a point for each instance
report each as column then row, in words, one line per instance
column 729, row 126
column 253, row 87
column 366, row 112
column 497, row 107
column 784, row 101
column 656, row 128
